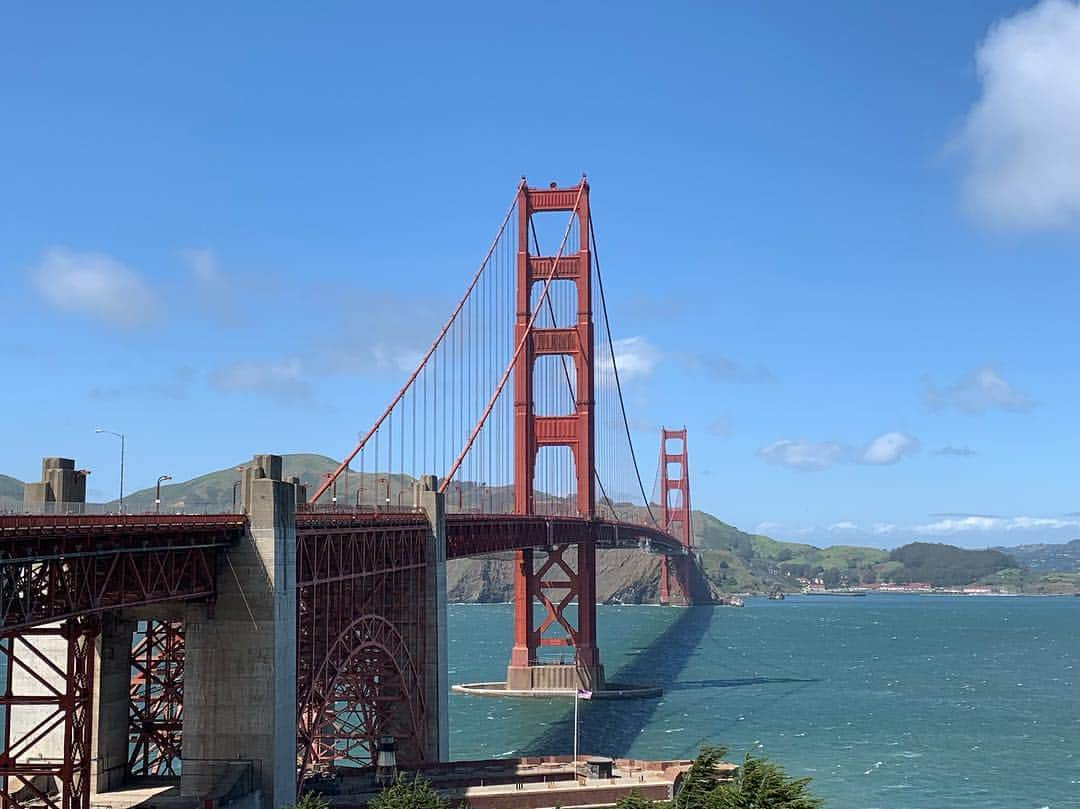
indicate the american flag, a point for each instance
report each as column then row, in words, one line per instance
column 582, row 694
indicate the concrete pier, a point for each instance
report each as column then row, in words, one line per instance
column 240, row 665
column 112, row 689
column 436, row 681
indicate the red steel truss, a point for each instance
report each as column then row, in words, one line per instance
column 58, row 567
column 361, row 633
column 156, row 703
column 47, row 705
column 575, row 431
column 478, row 534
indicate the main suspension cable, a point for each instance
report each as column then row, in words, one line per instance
column 615, row 370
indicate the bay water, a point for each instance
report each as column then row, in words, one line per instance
column 892, row 701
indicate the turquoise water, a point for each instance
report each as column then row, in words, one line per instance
column 900, row 702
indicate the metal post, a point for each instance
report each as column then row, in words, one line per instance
column 576, row 693
column 122, row 445
column 157, row 493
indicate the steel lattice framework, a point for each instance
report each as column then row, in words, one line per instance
column 59, row 702
column 361, row 634
column 156, row 701
column 54, row 568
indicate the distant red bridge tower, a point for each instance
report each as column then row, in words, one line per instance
column 675, row 511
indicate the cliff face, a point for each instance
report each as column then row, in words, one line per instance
column 628, row 577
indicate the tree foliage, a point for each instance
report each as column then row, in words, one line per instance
column 701, row 780
column 310, row 800
column 635, row 801
column 409, row 794
column 761, row 784
column 758, row 784
column 947, row 565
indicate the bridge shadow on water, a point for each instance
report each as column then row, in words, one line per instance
column 611, row 726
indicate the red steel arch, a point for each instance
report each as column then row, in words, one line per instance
column 368, row 668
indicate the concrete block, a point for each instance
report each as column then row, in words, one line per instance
column 240, row 665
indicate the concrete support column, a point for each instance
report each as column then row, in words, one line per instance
column 436, row 684
column 112, row 691
column 240, row 662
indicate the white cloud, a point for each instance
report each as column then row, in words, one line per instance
column 883, row 528
column 1020, row 137
column 635, row 358
column 958, row 452
column 976, row 392
column 373, row 336
column 725, row 369
column 283, row 381
column 395, row 357
column 967, row 523
column 96, row 286
column 720, row 427
column 844, row 525
column 202, row 264
column 804, row 455
column 888, row 448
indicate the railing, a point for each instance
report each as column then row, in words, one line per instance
column 341, row 508
column 75, row 509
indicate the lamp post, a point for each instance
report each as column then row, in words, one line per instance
column 157, row 493
column 333, row 488
column 121, row 437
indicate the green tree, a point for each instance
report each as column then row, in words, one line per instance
column 761, row 784
column 635, row 801
column 406, row 794
column 701, row 779
column 310, row 800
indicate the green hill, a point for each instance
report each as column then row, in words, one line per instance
column 1048, row 558
column 736, row 561
column 214, row 491
column 11, row 491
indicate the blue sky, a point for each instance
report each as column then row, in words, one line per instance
column 840, row 239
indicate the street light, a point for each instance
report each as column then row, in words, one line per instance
column 333, row 488
column 121, row 437
column 157, row 493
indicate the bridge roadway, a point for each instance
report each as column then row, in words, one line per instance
column 355, row 598
column 55, row 567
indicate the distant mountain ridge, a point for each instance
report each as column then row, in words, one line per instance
column 734, row 560
column 1046, row 557
column 11, row 490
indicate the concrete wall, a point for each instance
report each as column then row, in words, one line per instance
column 22, row 718
column 60, row 483
column 240, row 660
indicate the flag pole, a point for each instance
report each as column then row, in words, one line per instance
column 576, row 692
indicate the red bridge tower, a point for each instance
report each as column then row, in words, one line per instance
column 555, row 583
column 675, row 510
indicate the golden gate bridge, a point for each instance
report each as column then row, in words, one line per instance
column 300, row 632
